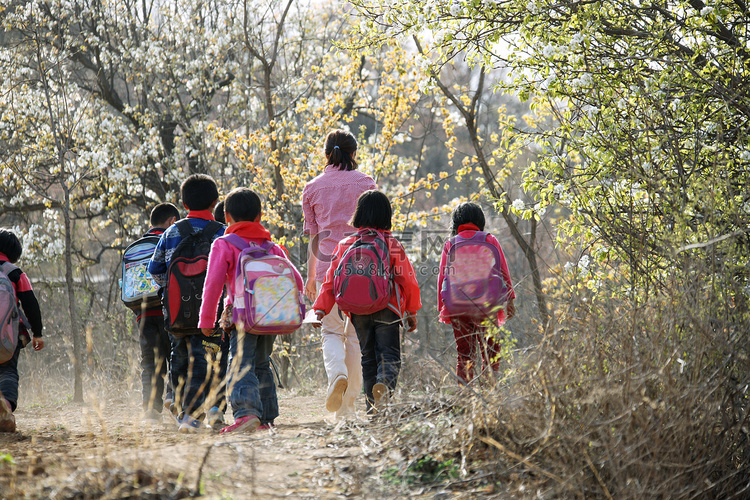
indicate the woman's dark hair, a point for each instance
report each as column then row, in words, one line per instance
column 242, row 204
column 467, row 213
column 373, row 210
column 198, row 192
column 340, row 148
column 10, row 245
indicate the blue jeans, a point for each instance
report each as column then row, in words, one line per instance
column 251, row 386
column 9, row 379
column 155, row 353
column 380, row 343
column 203, row 380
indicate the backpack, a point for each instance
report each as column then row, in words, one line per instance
column 138, row 289
column 9, row 313
column 267, row 296
column 183, row 290
column 473, row 284
column 362, row 281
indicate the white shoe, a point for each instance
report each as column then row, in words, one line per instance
column 336, row 393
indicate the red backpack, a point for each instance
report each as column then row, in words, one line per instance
column 362, row 281
column 183, row 291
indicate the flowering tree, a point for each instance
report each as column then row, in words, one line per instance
column 638, row 114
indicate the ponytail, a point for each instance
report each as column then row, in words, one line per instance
column 339, row 149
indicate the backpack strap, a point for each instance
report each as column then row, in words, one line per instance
column 8, row 268
column 238, row 242
column 212, row 227
column 184, row 227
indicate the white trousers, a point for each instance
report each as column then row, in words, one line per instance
column 342, row 356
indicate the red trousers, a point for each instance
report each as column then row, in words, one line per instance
column 471, row 340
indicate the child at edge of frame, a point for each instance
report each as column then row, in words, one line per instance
column 10, row 251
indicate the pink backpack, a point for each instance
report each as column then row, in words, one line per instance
column 362, row 280
column 267, row 297
column 9, row 314
column 473, row 284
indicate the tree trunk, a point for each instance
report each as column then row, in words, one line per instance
column 75, row 330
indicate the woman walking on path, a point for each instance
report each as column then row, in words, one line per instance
column 328, row 202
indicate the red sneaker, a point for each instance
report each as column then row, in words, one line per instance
column 267, row 427
column 243, row 424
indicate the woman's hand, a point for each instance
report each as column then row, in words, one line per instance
column 208, row 332
column 37, row 343
column 311, row 290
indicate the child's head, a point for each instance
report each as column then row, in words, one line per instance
column 373, row 210
column 199, row 192
column 467, row 213
column 10, row 245
column 242, row 204
column 219, row 213
column 164, row 215
column 340, row 149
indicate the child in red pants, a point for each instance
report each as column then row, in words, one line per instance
column 469, row 320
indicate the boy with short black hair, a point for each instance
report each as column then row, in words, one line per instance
column 191, row 383
column 251, row 385
column 155, row 341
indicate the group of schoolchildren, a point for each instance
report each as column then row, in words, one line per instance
column 227, row 290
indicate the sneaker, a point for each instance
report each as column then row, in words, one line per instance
column 7, row 419
column 379, row 395
column 151, row 417
column 243, row 424
column 189, row 425
column 267, row 427
column 174, row 414
column 336, row 393
column 215, row 419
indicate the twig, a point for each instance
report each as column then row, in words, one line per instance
column 596, row 474
column 515, row 456
column 197, row 490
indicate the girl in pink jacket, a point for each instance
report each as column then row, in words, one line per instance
column 251, row 386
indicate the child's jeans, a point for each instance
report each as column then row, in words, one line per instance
column 178, row 368
column 341, row 355
column 9, row 379
column 251, row 386
column 204, row 383
column 380, row 342
column 471, row 340
column 155, row 352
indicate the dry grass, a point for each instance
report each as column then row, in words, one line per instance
column 617, row 402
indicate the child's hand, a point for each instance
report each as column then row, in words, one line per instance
column 208, row 332
column 411, row 322
column 318, row 320
column 311, row 291
column 37, row 343
column 510, row 309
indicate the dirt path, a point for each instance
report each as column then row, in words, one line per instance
column 72, row 451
